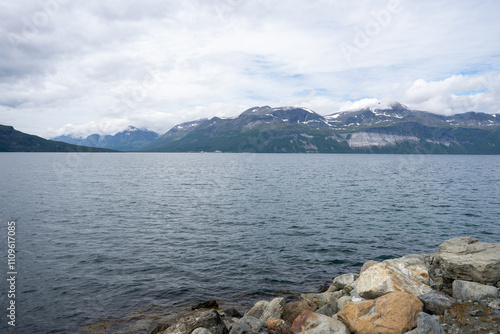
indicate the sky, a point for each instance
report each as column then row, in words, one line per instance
column 98, row 66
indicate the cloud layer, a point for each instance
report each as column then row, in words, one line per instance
column 98, row 66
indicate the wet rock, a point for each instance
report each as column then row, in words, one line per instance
column 463, row 290
column 232, row 312
column 278, row 326
column 341, row 281
column 249, row 325
column 382, row 278
column 313, row 323
column 467, row 259
column 436, row 302
column 293, row 309
column 412, row 265
column 426, row 324
column 206, row 304
column 328, row 310
column 395, row 312
column 367, row 265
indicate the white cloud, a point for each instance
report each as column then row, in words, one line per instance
column 158, row 63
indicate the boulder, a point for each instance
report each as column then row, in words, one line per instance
column 412, row 265
column 232, row 312
column 343, row 301
column 467, row 259
column 321, row 299
column 293, row 309
column 465, row 291
column 313, row 323
column 382, row 278
column 395, row 312
column 210, row 320
column 367, row 265
column 258, row 309
column 278, row 326
column 436, row 302
column 201, row 330
column 212, row 303
column 341, row 281
column 426, row 324
column 249, row 325
column 274, row 309
column 328, row 310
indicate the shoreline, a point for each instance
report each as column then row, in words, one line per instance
column 455, row 290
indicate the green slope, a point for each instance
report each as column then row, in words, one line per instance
column 12, row 140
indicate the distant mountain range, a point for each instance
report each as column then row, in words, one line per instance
column 131, row 139
column 12, row 140
column 291, row 129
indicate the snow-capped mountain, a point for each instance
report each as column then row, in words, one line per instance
column 130, row 139
column 293, row 129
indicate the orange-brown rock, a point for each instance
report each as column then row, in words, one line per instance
column 393, row 313
column 278, row 325
column 293, row 309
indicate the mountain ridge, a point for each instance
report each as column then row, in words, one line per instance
column 130, row 139
column 12, row 140
column 294, row 129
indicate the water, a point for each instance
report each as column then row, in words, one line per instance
column 101, row 235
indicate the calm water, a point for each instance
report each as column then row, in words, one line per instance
column 100, row 235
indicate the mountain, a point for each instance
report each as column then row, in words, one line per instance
column 290, row 129
column 173, row 134
column 131, row 139
column 12, row 140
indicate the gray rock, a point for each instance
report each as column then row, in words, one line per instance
column 201, row 330
column 382, row 278
column 232, row 312
column 328, row 310
column 249, row 325
column 412, row 265
column 258, row 309
column 210, row 320
column 341, row 281
column 465, row 291
column 436, row 302
column 314, row 323
column 467, row 259
column 333, row 288
column 274, row 309
column 367, row 265
column 343, row 301
column 414, row 331
column 322, row 299
column 426, row 324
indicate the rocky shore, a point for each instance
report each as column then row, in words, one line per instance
column 455, row 290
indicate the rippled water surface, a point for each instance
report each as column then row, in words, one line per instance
column 101, row 235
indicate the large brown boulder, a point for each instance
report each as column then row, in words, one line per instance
column 382, row 278
column 467, row 259
column 393, row 313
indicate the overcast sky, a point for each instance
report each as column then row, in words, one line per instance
column 98, row 66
